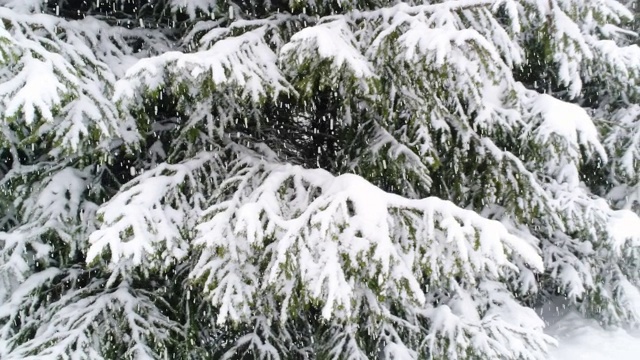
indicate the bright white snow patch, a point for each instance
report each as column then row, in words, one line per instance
column 623, row 227
column 582, row 339
column 585, row 339
column 333, row 40
column 568, row 121
column 245, row 60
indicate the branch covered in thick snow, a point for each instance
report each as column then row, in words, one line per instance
column 55, row 84
column 86, row 322
column 245, row 61
column 147, row 223
column 50, row 213
column 283, row 227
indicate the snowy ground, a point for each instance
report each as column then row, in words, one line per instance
column 581, row 339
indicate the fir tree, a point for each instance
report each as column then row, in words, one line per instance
column 314, row 180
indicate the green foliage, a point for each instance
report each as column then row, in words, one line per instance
column 313, row 180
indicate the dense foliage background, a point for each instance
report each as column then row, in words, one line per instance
column 200, row 179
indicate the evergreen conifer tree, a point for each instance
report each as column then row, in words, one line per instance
column 199, row 179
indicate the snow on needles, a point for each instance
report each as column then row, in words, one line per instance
column 245, row 61
column 160, row 190
column 568, row 122
column 332, row 40
column 149, row 217
column 348, row 231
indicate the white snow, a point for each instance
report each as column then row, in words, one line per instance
column 333, row 40
column 584, row 339
column 245, row 60
column 622, row 228
column 569, row 121
column 282, row 238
